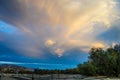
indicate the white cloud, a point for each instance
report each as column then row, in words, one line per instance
column 49, row 43
column 59, row 52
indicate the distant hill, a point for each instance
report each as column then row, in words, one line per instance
column 10, row 68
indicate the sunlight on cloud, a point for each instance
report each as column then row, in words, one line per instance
column 59, row 52
column 62, row 25
column 98, row 45
column 49, row 43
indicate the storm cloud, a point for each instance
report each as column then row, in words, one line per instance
column 56, row 25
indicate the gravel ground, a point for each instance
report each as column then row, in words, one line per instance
column 54, row 77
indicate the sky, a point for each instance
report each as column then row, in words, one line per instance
column 56, row 34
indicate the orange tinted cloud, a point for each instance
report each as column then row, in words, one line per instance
column 69, row 23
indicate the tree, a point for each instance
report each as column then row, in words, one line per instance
column 102, row 62
column 87, row 69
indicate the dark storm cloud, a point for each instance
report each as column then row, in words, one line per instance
column 112, row 35
column 10, row 10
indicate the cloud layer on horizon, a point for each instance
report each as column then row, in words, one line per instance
column 57, row 26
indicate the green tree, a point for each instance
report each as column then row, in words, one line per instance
column 87, row 69
column 102, row 62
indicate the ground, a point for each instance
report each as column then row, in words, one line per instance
column 51, row 77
